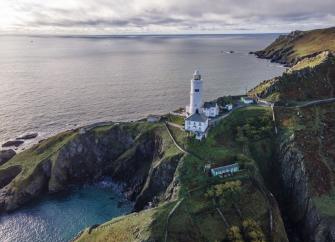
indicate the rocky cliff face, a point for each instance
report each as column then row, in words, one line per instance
column 298, row 196
column 138, row 158
column 306, row 151
column 306, row 169
column 6, row 155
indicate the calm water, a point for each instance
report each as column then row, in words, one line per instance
column 61, row 218
column 51, row 84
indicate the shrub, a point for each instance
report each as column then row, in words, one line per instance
column 234, row 234
column 252, row 231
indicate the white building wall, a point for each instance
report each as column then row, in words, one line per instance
column 195, row 94
column 196, row 126
column 212, row 112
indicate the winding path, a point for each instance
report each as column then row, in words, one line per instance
column 169, row 216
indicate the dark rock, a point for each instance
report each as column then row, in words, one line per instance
column 119, row 204
column 8, row 174
column 28, row 136
column 12, row 197
column 6, row 155
column 15, row 143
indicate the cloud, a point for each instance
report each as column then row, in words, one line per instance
column 168, row 16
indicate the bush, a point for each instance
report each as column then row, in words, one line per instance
column 234, row 234
column 252, row 231
column 225, row 192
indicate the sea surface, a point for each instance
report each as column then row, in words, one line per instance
column 60, row 218
column 50, row 84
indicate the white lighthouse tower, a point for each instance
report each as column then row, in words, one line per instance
column 195, row 94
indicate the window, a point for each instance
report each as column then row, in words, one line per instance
column 196, row 90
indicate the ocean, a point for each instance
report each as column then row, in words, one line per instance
column 59, row 218
column 50, row 84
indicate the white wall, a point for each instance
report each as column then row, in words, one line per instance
column 196, row 126
column 195, row 96
column 211, row 112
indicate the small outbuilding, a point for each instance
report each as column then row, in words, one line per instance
column 247, row 100
column 227, row 170
column 211, row 109
column 228, row 107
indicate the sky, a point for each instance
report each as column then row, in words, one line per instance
column 163, row 16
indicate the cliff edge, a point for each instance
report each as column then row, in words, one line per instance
column 291, row 48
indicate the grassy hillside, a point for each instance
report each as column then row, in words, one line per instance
column 244, row 137
column 311, row 78
column 209, row 208
column 289, row 49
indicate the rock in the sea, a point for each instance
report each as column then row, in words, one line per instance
column 6, row 155
column 15, row 143
column 28, row 136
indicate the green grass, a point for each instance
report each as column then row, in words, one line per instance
column 30, row 158
column 194, row 182
column 325, row 203
column 309, row 63
column 175, row 119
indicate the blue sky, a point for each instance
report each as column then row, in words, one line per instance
column 163, row 17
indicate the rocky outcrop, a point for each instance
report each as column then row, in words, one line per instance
column 159, row 179
column 10, row 143
column 291, row 48
column 6, row 155
column 8, row 174
column 135, row 160
column 281, row 55
column 28, row 136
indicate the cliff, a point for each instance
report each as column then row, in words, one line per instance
column 140, row 157
column 291, row 48
column 306, row 167
column 304, row 115
column 312, row 78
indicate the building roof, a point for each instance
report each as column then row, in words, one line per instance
column 197, row 117
column 209, row 104
column 225, row 167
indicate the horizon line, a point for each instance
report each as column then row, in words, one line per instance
column 133, row 35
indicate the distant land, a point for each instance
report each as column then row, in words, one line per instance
column 291, row 48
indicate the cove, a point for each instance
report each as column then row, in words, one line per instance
column 60, row 217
